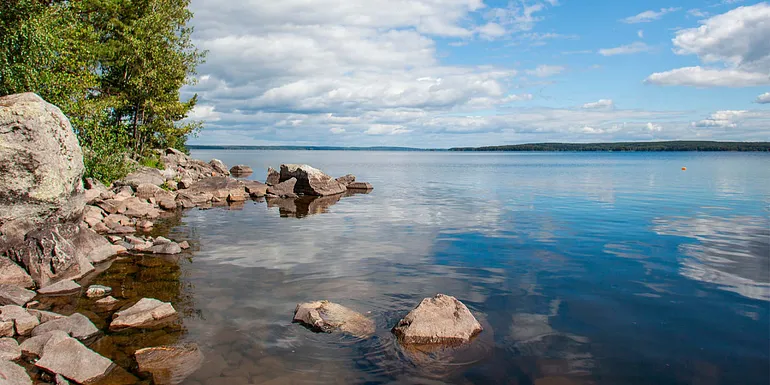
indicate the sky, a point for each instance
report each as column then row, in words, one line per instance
column 447, row 73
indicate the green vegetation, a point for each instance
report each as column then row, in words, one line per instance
column 629, row 146
column 114, row 67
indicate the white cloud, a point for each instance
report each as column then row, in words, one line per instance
column 627, row 49
column 697, row 13
column 707, row 77
column 337, row 130
column 640, row 33
column 764, row 98
column 602, row 103
column 736, row 41
column 654, row 127
column 544, row 70
column 490, row 31
column 648, row 16
column 386, row 129
column 204, row 113
column 732, row 118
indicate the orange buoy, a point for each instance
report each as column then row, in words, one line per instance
column 684, row 168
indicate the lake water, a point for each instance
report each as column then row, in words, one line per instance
column 584, row 268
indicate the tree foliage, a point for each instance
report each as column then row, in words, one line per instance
column 115, row 67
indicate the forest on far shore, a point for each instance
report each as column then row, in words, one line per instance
column 628, row 146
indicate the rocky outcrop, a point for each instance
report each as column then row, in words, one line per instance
column 41, row 167
column 273, row 177
column 241, row 170
column 169, row 364
column 148, row 313
column 284, row 189
column 439, row 320
column 328, row 317
column 73, row 360
column 311, row 181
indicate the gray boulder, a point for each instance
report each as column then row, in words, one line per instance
column 15, row 295
column 41, row 167
column 148, row 313
column 12, row 374
column 73, row 360
column 77, row 325
column 438, row 320
column 311, row 181
column 328, row 317
column 12, row 274
column 169, row 364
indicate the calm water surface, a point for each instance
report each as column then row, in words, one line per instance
column 584, row 268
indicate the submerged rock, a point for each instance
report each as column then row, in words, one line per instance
column 327, row 317
column 77, row 325
column 73, row 360
column 12, row 374
column 98, row 291
column 148, row 313
column 439, row 320
column 169, row 364
column 15, row 295
column 67, row 286
column 311, row 181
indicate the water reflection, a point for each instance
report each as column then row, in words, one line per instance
column 732, row 252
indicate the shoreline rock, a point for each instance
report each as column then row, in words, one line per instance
column 441, row 319
column 148, row 313
column 328, row 317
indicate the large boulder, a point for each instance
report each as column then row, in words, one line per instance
column 311, row 181
column 241, row 170
column 328, row 317
column 59, row 252
column 15, row 295
column 41, row 167
column 22, row 320
column 439, row 320
column 169, row 364
column 220, row 187
column 73, row 360
column 77, row 325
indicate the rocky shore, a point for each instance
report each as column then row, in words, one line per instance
column 56, row 229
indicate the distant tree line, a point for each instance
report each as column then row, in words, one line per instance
column 629, row 146
column 114, row 67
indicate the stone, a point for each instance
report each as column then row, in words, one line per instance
column 107, row 303
column 12, row 274
column 123, row 230
column 255, row 189
column 6, row 329
column 327, row 317
column 241, row 170
column 184, row 245
column 15, row 295
column 67, row 286
column 73, row 360
column 41, row 167
column 311, row 181
column 9, row 350
column 123, row 192
column 161, row 241
column 137, row 208
column 33, row 347
column 219, row 167
column 100, row 228
column 92, row 215
column 347, row 179
column 77, row 325
column 219, row 187
column 60, row 380
column 98, row 291
column 94, row 247
column 114, row 238
column 44, row 316
column 110, row 206
column 167, row 204
column 12, row 374
column 144, row 224
column 273, row 177
column 185, row 183
column 116, row 220
column 284, row 189
column 360, row 186
column 439, row 320
column 166, row 248
column 148, row 313
column 144, row 175
column 169, row 364
column 24, row 322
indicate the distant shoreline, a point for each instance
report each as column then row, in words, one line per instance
column 669, row 146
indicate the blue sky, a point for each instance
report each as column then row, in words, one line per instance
column 443, row 73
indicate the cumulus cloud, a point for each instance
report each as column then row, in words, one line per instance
column 337, row 130
column 731, row 118
column 627, row 49
column 654, row 127
column 764, row 98
column 640, row 33
column 735, row 41
column 648, row 16
column 386, row 129
column 544, row 70
column 602, row 103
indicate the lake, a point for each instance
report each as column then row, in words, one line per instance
column 583, row 268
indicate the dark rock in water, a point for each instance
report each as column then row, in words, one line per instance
column 77, row 325
column 42, row 167
column 255, row 189
column 13, row 374
column 283, row 189
column 311, row 181
column 59, row 252
column 169, row 364
column 66, row 286
column 219, row 167
column 438, row 320
column 12, row 274
column 273, row 177
column 327, row 317
column 23, row 321
column 360, row 186
column 145, row 175
column 15, row 295
column 73, row 360
column 347, row 179
column 148, row 313
column 241, row 170
column 9, row 350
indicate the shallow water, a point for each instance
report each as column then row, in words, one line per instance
column 584, row 268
